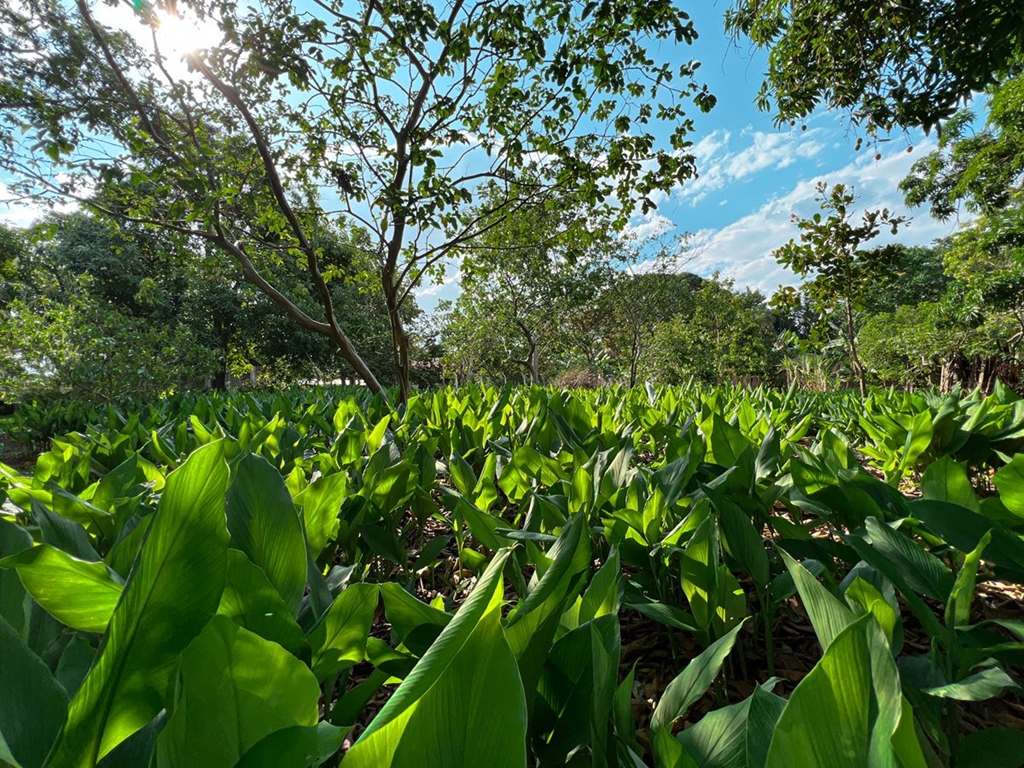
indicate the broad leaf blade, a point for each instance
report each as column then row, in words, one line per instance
column 172, row 593
column 264, row 525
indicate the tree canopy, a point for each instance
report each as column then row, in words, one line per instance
column 385, row 115
column 889, row 64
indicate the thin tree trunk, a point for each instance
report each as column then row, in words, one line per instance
column 855, row 364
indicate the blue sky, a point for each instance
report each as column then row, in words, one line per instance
column 753, row 177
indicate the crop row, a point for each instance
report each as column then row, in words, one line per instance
column 246, row 580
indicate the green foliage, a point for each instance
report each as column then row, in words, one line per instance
column 902, row 64
column 737, row 326
column 695, row 513
column 528, row 286
column 830, row 250
column 381, row 107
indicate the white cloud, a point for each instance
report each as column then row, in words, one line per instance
column 719, row 167
column 742, row 249
column 428, row 295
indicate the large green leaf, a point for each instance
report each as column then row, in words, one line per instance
column 250, row 600
column 295, row 747
column 964, row 530
column 1010, row 482
column 414, row 623
column 848, row 710
column 172, row 593
column 531, row 628
column 982, row 685
column 33, row 705
column 924, row 572
column 264, row 525
column 693, row 682
column 765, row 710
column 13, row 539
column 742, row 539
column 946, row 480
column 78, row 593
column 736, row 736
column 236, row 688
column 828, row 615
column 575, row 692
column 339, row 638
column 463, row 704
column 321, row 502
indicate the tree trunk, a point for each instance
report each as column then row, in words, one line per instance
column 534, row 363
column 855, row 363
column 399, row 338
column 400, row 349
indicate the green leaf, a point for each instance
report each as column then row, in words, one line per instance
column 13, row 539
column 864, row 597
column 185, row 554
column 741, row 538
column 414, row 623
column 74, row 664
column 983, row 685
column 693, row 682
column 828, row 615
column 958, row 609
column 530, row 630
column 321, row 503
column 1010, row 482
column 718, row 740
column 765, row 710
column 33, row 705
column 463, row 704
column 250, row 600
column 924, row 572
column 848, row 710
column 946, row 480
column 264, row 525
column 382, row 540
column 298, row 746
column 77, row 593
column 236, row 688
column 339, row 638
column 63, row 534
column 964, row 529
column 573, row 707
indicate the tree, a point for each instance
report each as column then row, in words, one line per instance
column 522, row 282
column 632, row 308
column 982, row 172
column 891, row 64
column 399, row 109
column 905, row 275
column 84, row 315
column 724, row 337
column 979, row 170
column 830, row 249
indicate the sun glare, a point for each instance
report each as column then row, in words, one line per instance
column 180, row 35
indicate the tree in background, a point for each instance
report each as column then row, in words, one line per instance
column 982, row 171
column 723, row 336
column 400, row 110
column 89, row 312
column 632, row 308
column 906, row 64
column 528, row 285
column 105, row 311
column 830, row 250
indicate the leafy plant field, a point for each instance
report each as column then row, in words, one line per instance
column 677, row 577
